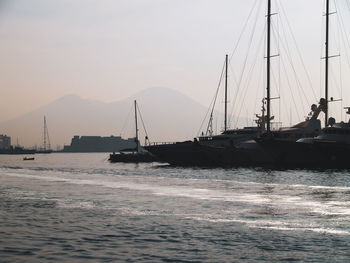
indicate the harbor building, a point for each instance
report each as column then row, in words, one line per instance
column 99, row 144
column 5, row 142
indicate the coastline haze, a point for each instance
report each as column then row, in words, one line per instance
column 107, row 51
column 72, row 115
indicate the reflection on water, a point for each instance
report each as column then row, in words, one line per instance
column 79, row 207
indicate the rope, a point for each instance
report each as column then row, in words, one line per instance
column 213, row 102
column 126, row 121
column 244, row 28
column 143, row 124
column 345, row 39
column 248, row 81
column 298, row 50
column 245, row 60
column 290, row 88
column 286, row 48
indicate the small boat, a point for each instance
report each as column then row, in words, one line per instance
column 132, row 157
column 28, row 158
column 136, row 155
column 209, row 150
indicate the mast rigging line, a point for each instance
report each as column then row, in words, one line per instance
column 338, row 43
column 239, row 39
column 126, row 121
column 248, row 80
column 260, row 80
column 345, row 42
column 337, row 85
column 337, row 40
column 347, row 3
column 246, row 54
column 285, row 47
column 297, row 48
column 343, row 34
column 213, row 102
column 143, row 124
column 290, row 88
column 284, row 43
column 244, row 28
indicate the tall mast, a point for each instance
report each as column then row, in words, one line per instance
column 268, row 113
column 136, row 129
column 44, row 142
column 226, row 62
column 46, row 138
column 326, row 63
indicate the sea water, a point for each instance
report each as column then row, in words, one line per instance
column 81, row 208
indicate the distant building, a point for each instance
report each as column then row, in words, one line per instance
column 99, row 144
column 5, row 142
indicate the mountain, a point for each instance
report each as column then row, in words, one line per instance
column 168, row 116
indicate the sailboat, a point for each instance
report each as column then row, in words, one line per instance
column 331, row 147
column 326, row 149
column 241, row 147
column 135, row 155
column 46, row 147
column 208, row 150
column 261, row 150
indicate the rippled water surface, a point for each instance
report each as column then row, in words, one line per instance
column 80, row 208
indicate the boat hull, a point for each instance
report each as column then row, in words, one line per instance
column 194, row 154
column 132, row 158
column 315, row 155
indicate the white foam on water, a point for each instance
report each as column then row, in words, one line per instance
column 61, row 203
column 273, row 225
column 339, row 188
column 317, row 230
column 282, row 202
column 178, row 191
column 69, row 204
column 235, row 184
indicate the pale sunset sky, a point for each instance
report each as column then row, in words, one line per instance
column 110, row 49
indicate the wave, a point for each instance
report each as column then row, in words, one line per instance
column 289, row 200
column 275, row 225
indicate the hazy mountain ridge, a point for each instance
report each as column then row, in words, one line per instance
column 168, row 116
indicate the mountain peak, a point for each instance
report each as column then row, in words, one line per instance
column 70, row 96
column 168, row 115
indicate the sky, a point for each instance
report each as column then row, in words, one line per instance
column 108, row 50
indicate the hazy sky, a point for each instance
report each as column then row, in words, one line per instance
column 110, row 49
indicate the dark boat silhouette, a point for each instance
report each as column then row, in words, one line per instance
column 136, row 155
column 209, row 149
column 328, row 149
column 132, row 157
column 239, row 147
column 28, row 158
